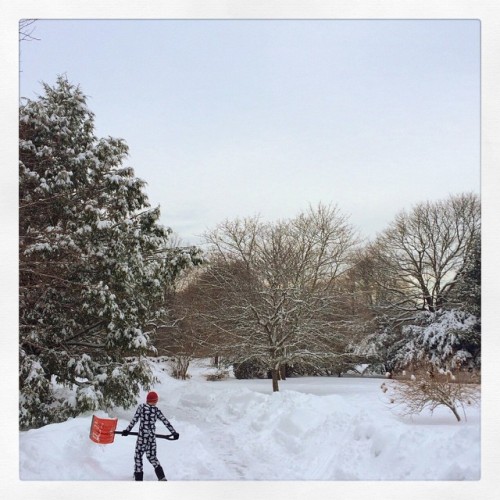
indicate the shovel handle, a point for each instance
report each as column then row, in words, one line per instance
column 170, row 437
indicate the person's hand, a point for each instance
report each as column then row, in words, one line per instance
column 125, row 433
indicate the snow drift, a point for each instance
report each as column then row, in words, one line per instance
column 314, row 429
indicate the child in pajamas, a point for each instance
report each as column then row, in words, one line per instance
column 146, row 440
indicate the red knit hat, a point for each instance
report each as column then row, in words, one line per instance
column 152, row 397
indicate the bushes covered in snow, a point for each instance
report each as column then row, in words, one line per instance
column 443, row 339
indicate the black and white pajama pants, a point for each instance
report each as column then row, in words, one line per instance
column 147, row 445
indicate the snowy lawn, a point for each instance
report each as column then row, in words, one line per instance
column 313, row 429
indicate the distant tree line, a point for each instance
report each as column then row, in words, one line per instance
column 305, row 296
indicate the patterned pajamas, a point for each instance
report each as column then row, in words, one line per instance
column 147, row 446
column 146, row 440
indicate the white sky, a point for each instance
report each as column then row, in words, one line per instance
column 234, row 118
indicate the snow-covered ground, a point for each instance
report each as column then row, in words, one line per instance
column 315, row 428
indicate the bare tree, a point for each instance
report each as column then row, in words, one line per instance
column 26, row 30
column 418, row 257
column 183, row 335
column 272, row 287
column 430, row 389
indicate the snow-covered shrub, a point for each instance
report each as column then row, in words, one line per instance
column 179, row 366
column 218, row 375
column 380, row 348
column 298, row 369
column 250, row 369
column 444, row 339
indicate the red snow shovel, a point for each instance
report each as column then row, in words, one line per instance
column 102, row 431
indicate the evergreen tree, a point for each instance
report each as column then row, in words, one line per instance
column 94, row 264
column 443, row 340
column 466, row 294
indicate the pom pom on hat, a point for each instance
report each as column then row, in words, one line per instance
column 152, row 397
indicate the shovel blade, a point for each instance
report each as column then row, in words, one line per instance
column 102, row 430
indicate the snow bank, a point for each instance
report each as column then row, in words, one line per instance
column 313, row 429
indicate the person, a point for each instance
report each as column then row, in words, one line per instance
column 146, row 440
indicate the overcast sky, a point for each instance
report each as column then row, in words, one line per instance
column 230, row 119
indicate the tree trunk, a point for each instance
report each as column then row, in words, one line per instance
column 275, row 377
column 283, row 372
column 455, row 412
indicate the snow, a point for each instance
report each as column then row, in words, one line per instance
column 104, row 224
column 315, row 428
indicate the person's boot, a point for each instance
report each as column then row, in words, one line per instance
column 138, row 476
column 160, row 474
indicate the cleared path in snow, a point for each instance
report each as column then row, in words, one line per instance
column 313, row 429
